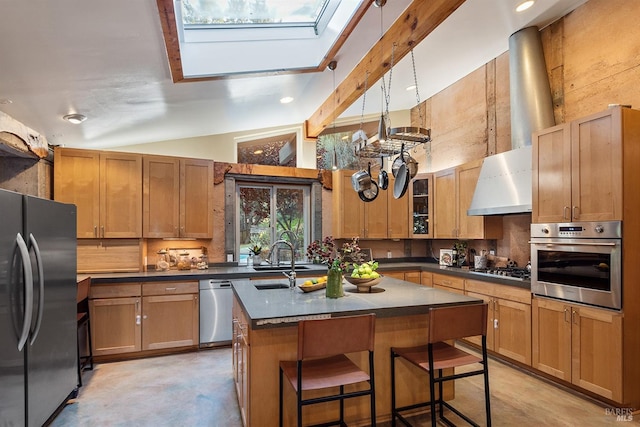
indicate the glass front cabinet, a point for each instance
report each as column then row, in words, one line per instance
column 421, row 205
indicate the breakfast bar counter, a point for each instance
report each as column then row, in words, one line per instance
column 265, row 332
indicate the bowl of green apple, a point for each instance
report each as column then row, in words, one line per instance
column 364, row 276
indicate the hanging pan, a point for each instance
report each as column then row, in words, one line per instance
column 383, row 177
column 402, row 181
column 369, row 194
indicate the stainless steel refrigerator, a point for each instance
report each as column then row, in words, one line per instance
column 38, row 331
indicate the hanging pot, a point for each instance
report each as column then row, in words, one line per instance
column 404, row 157
column 383, row 177
column 361, row 180
column 402, row 181
column 369, row 194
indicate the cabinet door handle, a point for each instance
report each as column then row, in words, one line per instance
column 574, row 317
column 137, row 319
column 564, row 212
column 102, row 228
column 566, row 310
column 95, row 231
column 169, row 289
column 495, row 323
column 576, row 212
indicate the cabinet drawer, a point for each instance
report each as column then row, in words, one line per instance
column 448, row 281
column 501, row 291
column 109, row 290
column 169, row 288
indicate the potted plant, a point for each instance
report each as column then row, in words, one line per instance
column 255, row 252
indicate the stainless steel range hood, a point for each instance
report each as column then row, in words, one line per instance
column 504, row 185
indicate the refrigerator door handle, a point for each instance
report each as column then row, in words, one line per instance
column 28, row 291
column 36, row 250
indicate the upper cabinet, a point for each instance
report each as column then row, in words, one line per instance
column 384, row 217
column 577, row 167
column 177, row 197
column 105, row 186
column 421, row 206
column 454, row 190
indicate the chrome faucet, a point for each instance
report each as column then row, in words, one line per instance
column 292, row 274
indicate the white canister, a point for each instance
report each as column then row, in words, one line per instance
column 479, row 262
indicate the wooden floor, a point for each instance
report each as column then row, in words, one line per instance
column 196, row 389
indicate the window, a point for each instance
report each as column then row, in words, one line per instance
column 267, row 213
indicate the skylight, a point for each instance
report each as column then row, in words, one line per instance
column 230, row 37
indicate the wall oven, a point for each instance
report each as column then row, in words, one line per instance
column 578, row 262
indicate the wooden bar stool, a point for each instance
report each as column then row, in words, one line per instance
column 83, row 321
column 322, row 363
column 445, row 323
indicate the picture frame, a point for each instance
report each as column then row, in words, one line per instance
column 446, row 257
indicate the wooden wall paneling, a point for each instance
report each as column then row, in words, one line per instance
column 491, row 137
column 553, row 47
column 459, row 121
column 601, row 64
column 503, row 104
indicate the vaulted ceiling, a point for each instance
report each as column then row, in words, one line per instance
column 109, row 61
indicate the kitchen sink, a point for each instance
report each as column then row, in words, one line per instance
column 278, row 267
column 265, row 286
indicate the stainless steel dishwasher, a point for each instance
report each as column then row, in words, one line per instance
column 216, row 300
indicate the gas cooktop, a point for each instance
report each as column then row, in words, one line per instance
column 513, row 273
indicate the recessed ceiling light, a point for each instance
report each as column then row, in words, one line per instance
column 75, row 118
column 524, row 5
column 286, row 100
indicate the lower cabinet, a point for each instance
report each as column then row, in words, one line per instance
column 409, row 276
column 581, row 345
column 509, row 320
column 448, row 283
column 134, row 317
column 240, row 358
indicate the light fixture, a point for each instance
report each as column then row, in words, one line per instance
column 75, row 118
column 412, row 87
column 286, row 100
column 524, row 5
column 258, row 151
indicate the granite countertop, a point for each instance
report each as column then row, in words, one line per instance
column 269, row 308
column 243, row 272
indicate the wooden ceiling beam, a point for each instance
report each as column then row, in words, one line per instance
column 413, row 26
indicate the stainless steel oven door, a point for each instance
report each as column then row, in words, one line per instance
column 579, row 270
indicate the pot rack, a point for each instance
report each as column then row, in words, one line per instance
column 391, row 141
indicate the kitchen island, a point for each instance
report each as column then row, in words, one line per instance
column 265, row 332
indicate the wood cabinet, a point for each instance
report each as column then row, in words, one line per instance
column 384, row 218
column 448, row 283
column 509, row 320
column 581, row 345
column 408, row 276
column 241, row 359
column 135, row 317
column 105, row 186
column 170, row 315
column 453, row 190
column 577, row 167
column 115, row 311
column 426, row 278
column 421, row 206
column 177, row 197
column 398, row 218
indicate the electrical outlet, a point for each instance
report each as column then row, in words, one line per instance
column 492, row 252
column 388, row 254
column 229, row 257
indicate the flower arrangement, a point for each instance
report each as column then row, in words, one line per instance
column 327, row 252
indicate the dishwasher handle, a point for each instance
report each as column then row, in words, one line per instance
column 214, row 284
